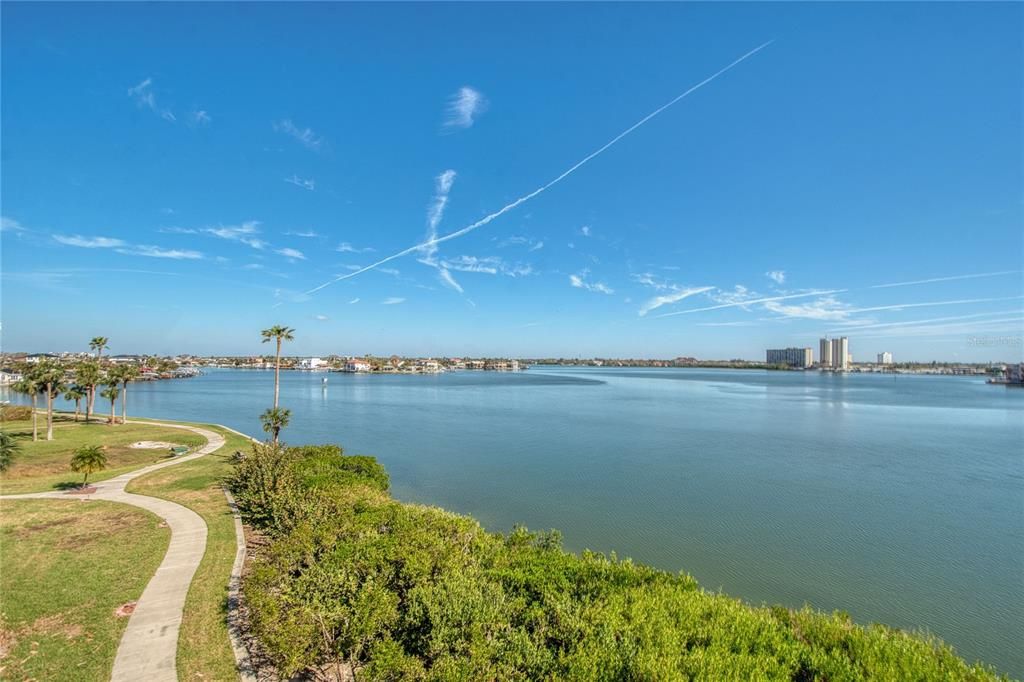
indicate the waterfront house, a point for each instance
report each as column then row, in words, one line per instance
column 358, row 366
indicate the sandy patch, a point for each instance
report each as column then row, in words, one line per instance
column 152, row 445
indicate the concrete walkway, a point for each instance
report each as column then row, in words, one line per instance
column 150, row 642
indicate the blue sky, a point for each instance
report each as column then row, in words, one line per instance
column 179, row 176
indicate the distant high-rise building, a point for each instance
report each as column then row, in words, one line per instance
column 794, row 357
column 885, row 358
column 841, row 353
column 825, row 353
column 835, row 353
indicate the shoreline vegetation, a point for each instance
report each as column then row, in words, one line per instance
column 352, row 584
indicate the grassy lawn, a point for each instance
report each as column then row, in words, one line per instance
column 67, row 567
column 43, row 465
column 204, row 650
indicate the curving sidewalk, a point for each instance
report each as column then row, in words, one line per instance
column 149, row 644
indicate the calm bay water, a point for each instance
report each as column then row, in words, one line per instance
column 900, row 500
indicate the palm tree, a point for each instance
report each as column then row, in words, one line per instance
column 275, row 419
column 97, row 344
column 88, row 459
column 110, row 393
column 50, row 376
column 75, row 392
column 9, row 448
column 30, row 386
column 87, row 374
column 281, row 333
column 125, row 374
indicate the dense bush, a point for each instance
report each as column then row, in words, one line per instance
column 13, row 413
column 354, row 582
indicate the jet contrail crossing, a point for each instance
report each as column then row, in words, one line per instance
column 523, row 199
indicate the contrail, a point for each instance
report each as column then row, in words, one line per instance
column 754, row 301
column 901, row 306
column 523, row 199
column 945, row 279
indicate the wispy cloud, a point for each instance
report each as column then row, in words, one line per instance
column 45, row 280
column 676, row 295
column 650, row 280
column 777, row 276
column 585, row 231
column 308, row 234
column 464, row 108
column 200, row 118
column 243, row 232
column 725, row 324
column 580, row 282
column 519, row 240
column 673, row 292
column 144, row 97
column 393, row 300
column 825, row 308
column 89, row 242
column 489, row 265
column 305, row 136
column 10, row 225
column 526, row 197
column 304, row 183
column 345, row 247
column 294, row 254
column 320, row 317
column 353, row 301
column 435, row 212
column 158, row 252
column 124, row 247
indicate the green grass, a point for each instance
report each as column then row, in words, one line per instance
column 204, row 649
column 44, row 465
column 67, row 565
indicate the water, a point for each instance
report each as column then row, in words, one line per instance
column 900, row 500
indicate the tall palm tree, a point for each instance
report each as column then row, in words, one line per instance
column 275, row 419
column 88, row 459
column 281, row 333
column 125, row 374
column 97, row 344
column 50, row 376
column 110, row 393
column 75, row 392
column 9, row 449
column 88, row 376
column 30, row 386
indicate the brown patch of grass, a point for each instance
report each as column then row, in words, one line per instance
column 67, row 565
column 53, row 625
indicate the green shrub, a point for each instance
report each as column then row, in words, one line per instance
column 354, row 581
